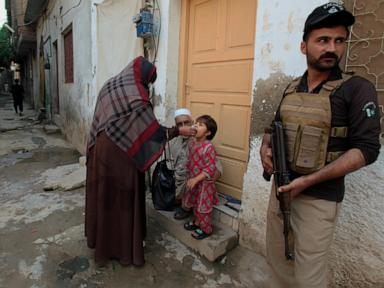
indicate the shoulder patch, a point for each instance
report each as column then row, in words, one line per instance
column 370, row 109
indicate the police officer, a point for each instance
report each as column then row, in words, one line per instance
column 332, row 128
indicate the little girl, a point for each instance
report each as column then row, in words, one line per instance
column 201, row 190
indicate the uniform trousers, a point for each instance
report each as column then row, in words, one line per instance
column 313, row 223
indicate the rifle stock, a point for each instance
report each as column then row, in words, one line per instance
column 281, row 178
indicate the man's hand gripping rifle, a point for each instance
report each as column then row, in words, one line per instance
column 281, row 178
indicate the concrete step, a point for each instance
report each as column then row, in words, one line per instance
column 218, row 244
column 51, row 129
column 227, row 213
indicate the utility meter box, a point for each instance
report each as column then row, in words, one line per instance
column 144, row 24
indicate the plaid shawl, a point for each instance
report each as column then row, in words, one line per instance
column 124, row 112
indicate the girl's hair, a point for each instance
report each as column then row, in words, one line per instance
column 210, row 123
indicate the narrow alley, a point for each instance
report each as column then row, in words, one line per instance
column 41, row 229
column 137, row 63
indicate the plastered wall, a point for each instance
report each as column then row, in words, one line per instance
column 74, row 98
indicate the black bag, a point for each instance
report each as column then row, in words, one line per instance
column 163, row 186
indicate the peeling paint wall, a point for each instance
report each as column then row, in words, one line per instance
column 358, row 250
column 105, row 28
column 72, row 96
column 168, row 60
column 116, row 45
column 114, row 19
column 113, row 45
column 266, row 98
column 104, row 42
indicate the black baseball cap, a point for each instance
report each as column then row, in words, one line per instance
column 328, row 15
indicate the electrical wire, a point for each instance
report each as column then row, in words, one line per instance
column 73, row 7
column 31, row 22
column 158, row 33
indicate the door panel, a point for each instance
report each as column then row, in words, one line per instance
column 234, row 172
column 240, row 12
column 205, row 23
column 219, row 76
column 220, row 51
column 200, row 108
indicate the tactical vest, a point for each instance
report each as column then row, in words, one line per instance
column 307, row 122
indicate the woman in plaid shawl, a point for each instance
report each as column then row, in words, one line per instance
column 125, row 139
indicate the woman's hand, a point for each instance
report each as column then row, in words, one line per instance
column 187, row 131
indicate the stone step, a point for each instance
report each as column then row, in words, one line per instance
column 51, row 129
column 218, row 244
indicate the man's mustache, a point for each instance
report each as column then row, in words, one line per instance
column 329, row 55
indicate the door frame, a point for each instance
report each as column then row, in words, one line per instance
column 183, row 52
column 56, row 102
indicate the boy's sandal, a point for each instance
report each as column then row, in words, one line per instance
column 190, row 226
column 199, row 234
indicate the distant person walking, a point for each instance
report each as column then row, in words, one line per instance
column 18, row 94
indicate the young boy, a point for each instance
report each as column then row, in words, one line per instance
column 201, row 192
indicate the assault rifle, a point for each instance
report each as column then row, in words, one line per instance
column 281, row 177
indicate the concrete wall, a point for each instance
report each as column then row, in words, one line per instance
column 115, row 44
column 104, row 41
column 358, row 250
column 35, row 80
column 28, row 79
column 357, row 257
column 36, row 68
column 73, row 97
column 168, row 61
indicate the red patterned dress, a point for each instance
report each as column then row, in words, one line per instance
column 202, row 198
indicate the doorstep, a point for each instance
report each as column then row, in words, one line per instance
column 227, row 213
column 218, row 244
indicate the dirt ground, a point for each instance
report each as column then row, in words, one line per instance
column 42, row 240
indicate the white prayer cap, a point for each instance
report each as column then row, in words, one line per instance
column 182, row 111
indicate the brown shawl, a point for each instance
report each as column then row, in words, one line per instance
column 124, row 112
